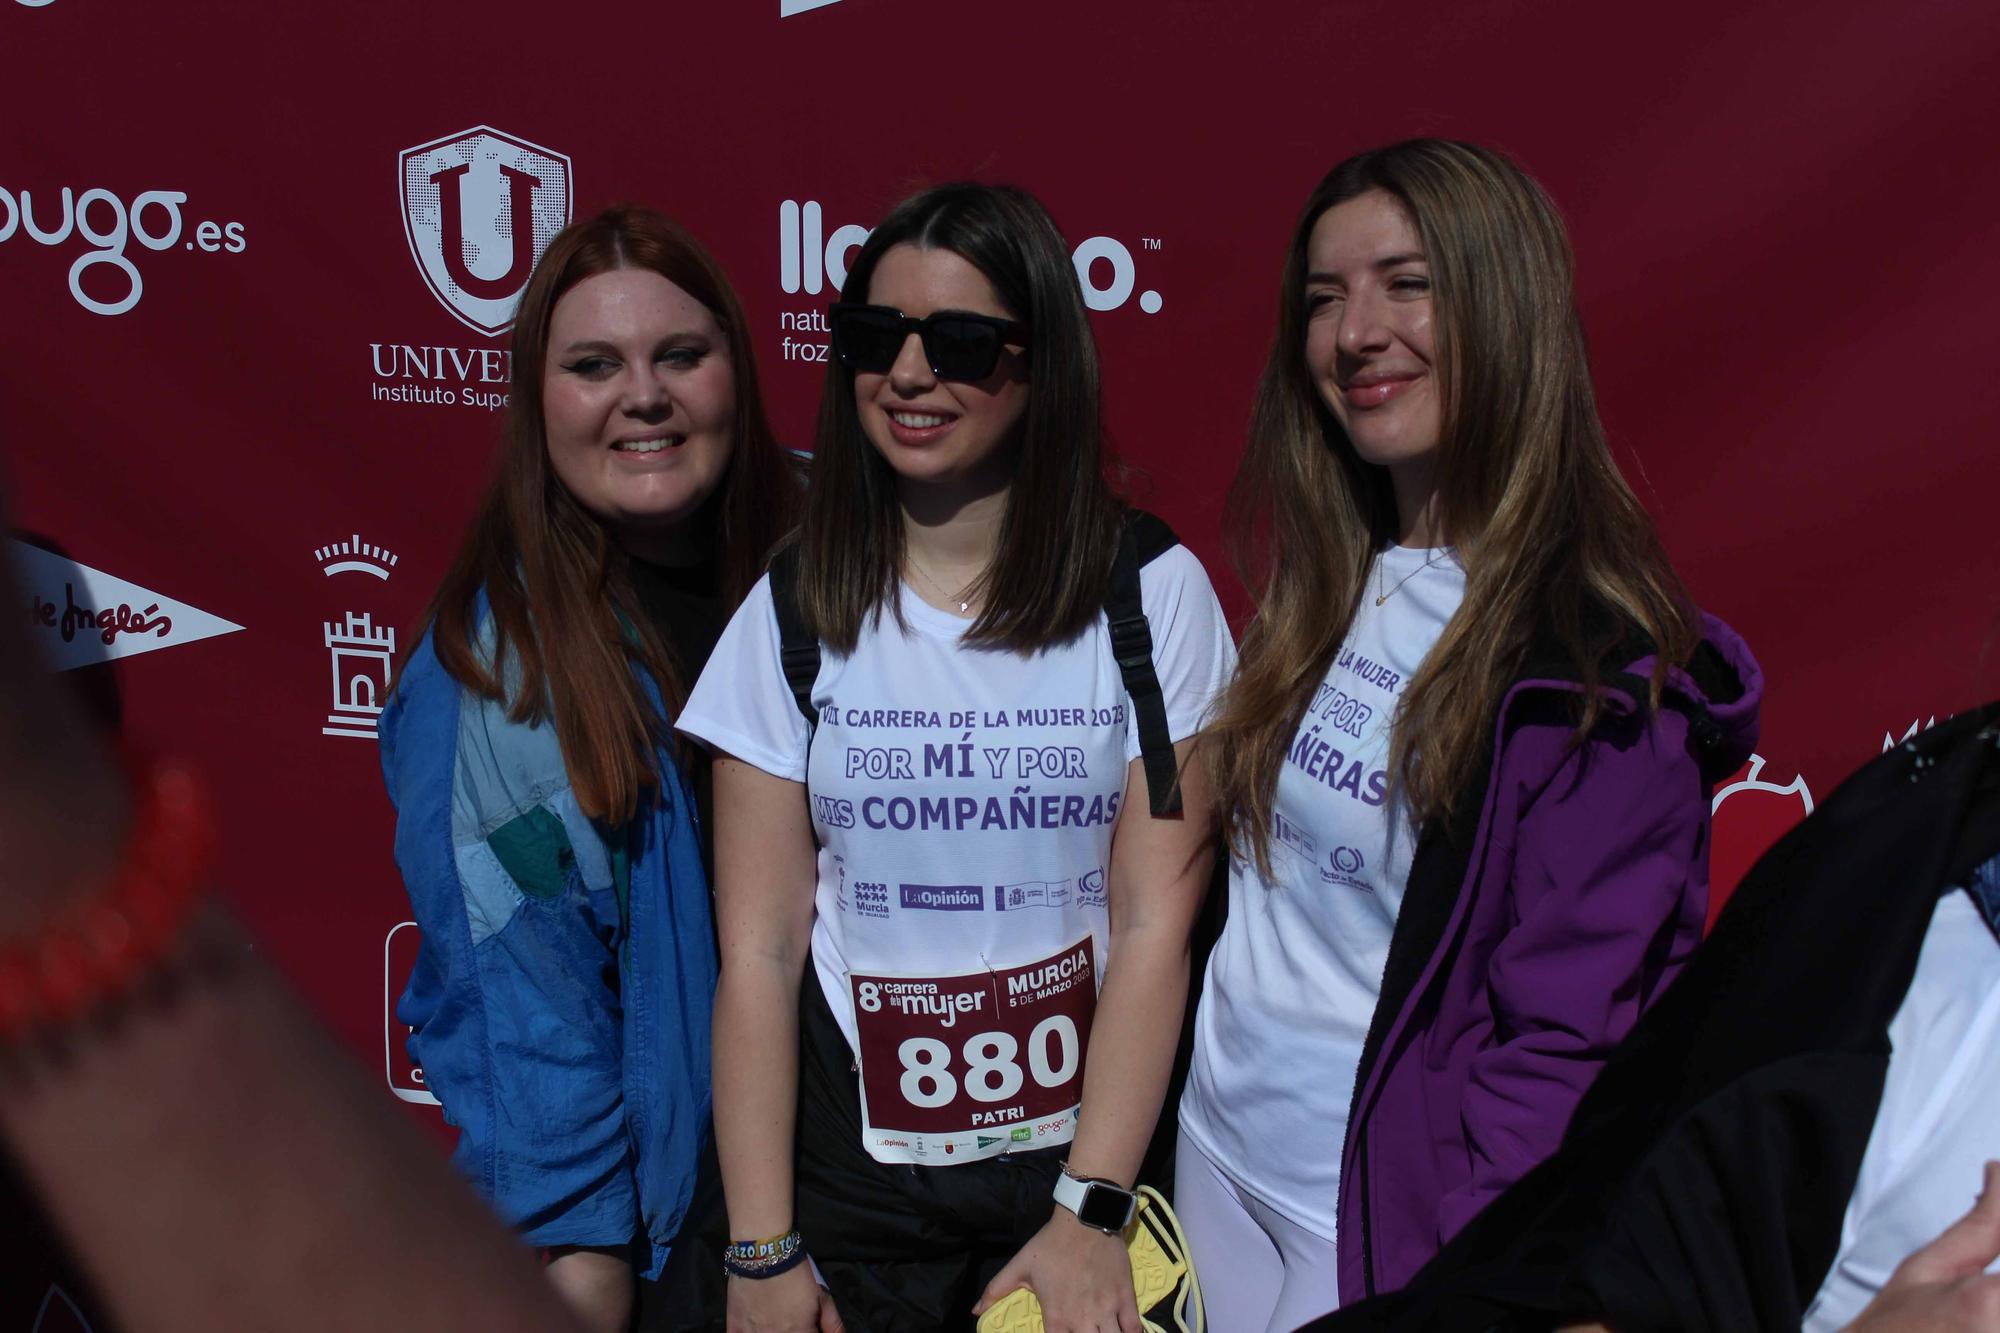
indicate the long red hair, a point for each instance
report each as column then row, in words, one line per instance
column 566, row 626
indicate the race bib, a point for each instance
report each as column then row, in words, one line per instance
column 962, row 1067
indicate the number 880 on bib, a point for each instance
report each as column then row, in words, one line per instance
column 956, row 1068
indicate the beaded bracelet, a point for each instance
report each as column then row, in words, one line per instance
column 101, row 948
column 764, row 1258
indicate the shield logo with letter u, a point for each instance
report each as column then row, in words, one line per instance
column 479, row 207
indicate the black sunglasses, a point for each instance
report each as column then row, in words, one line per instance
column 959, row 345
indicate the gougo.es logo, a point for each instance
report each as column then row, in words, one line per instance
column 109, row 225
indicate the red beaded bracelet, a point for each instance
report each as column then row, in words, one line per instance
column 99, row 949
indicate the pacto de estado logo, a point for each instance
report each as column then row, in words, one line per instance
column 109, row 226
column 1344, row 866
column 812, row 259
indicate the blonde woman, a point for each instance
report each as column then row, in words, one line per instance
column 1468, row 753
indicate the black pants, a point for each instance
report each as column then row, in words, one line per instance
column 903, row 1248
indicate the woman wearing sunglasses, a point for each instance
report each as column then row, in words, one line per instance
column 961, row 842
column 1468, row 754
column 546, row 833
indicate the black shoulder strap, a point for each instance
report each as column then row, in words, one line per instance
column 798, row 647
column 1143, row 539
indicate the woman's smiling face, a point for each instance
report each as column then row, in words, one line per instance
column 639, row 402
column 930, row 430
column 1369, row 332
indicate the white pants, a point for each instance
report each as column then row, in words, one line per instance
column 1260, row 1271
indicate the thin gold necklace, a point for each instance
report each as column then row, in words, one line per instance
column 964, row 603
column 1383, row 597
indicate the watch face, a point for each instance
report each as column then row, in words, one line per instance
column 1104, row 1208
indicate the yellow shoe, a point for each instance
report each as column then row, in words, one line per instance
column 1163, row 1279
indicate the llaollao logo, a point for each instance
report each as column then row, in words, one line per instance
column 813, row 257
column 1751, row 812
column 479, row 207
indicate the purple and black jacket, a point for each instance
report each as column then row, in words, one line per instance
column 1565, row 892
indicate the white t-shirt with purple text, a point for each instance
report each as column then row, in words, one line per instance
column 964, row 798
column 1294, row 979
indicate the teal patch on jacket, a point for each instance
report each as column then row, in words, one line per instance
column 533, row 848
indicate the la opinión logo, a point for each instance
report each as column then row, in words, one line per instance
column 153, row 219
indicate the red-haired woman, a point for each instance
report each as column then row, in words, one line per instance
column 1468, row 752
column 547, row 833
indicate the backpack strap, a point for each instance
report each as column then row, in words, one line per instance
column 798, row 647
column 1143, row 538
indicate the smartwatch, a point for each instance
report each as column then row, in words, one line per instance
column 1100, row 1204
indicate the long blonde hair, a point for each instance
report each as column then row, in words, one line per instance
column 1554, row 543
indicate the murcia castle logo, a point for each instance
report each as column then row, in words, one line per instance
column 479, row 207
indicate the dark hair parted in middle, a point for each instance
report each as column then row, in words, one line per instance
column 1053, row 563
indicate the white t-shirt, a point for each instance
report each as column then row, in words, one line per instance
column 1937, row 1124
column 964, row 799
column 1294, row 979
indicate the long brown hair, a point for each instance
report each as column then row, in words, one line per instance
column 567, row 627
column 1553, row 541
column 1053, row 563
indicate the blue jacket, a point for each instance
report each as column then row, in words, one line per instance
column 561, row 998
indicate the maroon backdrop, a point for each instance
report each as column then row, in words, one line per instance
column 255, row 260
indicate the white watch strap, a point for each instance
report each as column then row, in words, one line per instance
column 1069, row 1191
